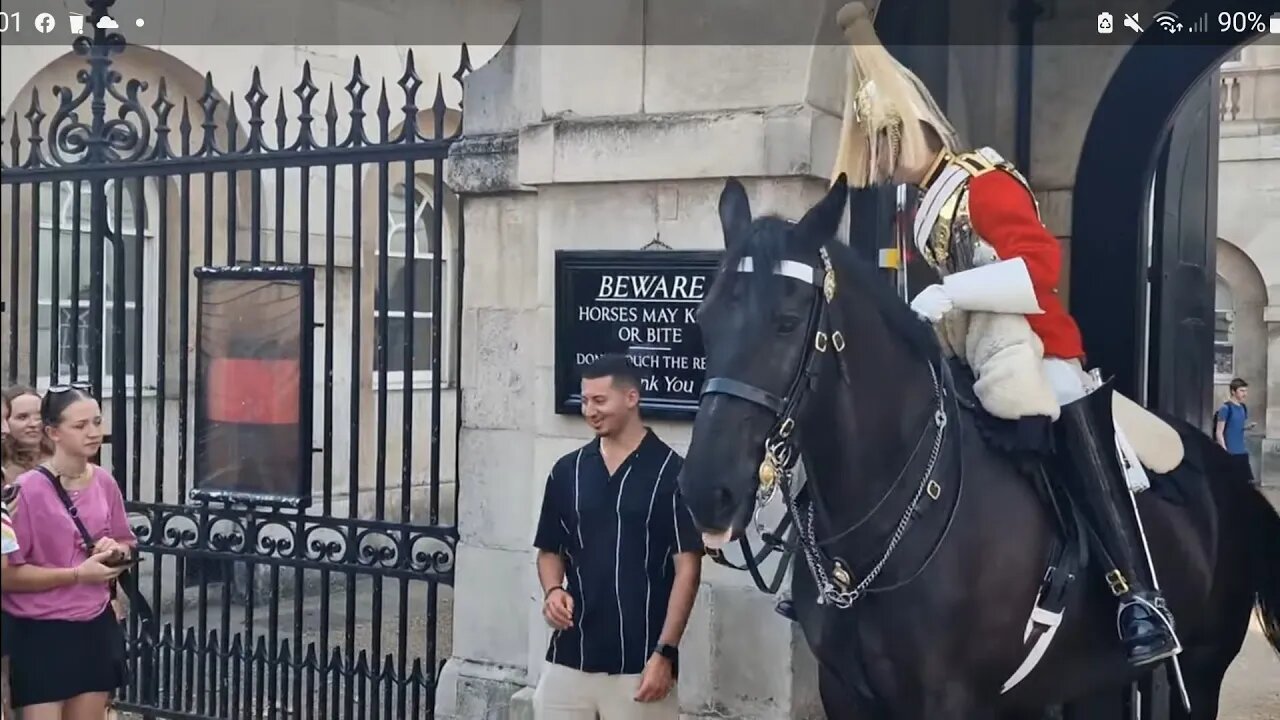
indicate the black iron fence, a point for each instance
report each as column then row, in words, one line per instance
column 115, row 191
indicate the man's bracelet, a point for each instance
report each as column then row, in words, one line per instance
column 547, row 593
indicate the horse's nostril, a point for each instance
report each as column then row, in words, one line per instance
column 724, row 498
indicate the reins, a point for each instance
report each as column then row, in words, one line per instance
column 836, row 586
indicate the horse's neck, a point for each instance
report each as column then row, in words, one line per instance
column 870, row 425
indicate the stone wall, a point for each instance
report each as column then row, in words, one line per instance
column 635, row 152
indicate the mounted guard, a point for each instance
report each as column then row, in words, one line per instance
column 997, row 307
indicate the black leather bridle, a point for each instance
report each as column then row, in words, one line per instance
column 780, row 449
column 834, row 578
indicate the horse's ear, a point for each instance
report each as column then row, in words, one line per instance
column 735, row 212
column 823, row 219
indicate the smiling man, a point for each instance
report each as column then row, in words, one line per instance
column 619, row 560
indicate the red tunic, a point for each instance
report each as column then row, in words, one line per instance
column 1003, row 213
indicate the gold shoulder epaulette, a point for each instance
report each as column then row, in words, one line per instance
column 974, row 163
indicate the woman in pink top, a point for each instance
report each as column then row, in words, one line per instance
column 68, row 649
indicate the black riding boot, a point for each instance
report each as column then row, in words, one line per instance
column 1086, row 436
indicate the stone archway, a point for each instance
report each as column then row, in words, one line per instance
column 1248, row 325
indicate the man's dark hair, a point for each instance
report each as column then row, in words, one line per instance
column 614, row 365
column 1238, row 383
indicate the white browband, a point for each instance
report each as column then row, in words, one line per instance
column 789, row 268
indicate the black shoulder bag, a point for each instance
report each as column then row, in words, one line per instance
column 126, row 579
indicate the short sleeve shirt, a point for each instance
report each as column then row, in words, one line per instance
column 47, row 537
column 1234, row 417
column 618, row 535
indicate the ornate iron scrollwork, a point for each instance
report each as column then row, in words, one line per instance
column 287, row 539
column 106, row 119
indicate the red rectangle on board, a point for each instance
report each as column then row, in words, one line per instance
column 253, row 391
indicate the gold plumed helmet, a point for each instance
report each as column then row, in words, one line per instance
column 884, row 106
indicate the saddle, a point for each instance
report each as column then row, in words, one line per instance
column 1158, row 445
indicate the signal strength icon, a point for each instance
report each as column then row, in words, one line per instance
column 1201, row 25
column 1168, row 21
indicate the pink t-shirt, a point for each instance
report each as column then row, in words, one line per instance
column 47, row 537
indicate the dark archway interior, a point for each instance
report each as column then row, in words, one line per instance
column 1137, row 134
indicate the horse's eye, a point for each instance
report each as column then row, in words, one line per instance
column 787, row 323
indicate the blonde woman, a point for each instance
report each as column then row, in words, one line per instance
column 8, row 545
column 74, row 539
column 24, row 445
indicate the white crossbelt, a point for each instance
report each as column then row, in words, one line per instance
column 952, row 177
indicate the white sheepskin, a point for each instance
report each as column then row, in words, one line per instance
column 1006, row 357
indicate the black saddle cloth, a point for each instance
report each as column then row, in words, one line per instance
column 1029, row 439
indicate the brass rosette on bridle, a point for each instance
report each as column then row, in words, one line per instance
column 778, row 455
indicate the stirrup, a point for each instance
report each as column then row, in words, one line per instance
column 1160, row 612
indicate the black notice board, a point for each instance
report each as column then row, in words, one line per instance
column 640, row 302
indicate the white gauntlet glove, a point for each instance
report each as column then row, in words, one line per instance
column 932, row 303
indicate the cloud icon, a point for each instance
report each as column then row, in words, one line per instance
column 107, row 23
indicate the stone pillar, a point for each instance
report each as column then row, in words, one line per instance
column 634, row 152
column 1268, row 470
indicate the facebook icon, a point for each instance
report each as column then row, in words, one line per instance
column 45, row 22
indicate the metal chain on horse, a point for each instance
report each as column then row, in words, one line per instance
column 844, row 599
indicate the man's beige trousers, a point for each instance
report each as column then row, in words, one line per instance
column 567, row 694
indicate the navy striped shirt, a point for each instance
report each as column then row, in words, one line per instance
column 618, row 536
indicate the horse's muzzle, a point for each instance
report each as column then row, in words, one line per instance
column 717, row 541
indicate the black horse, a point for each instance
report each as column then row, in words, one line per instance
column 930, row 544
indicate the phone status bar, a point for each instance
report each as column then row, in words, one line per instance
column 1223, row 23
column 19, row 24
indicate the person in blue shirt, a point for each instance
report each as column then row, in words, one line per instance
column 1231, row 422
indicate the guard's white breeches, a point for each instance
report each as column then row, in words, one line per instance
column 1070, row 383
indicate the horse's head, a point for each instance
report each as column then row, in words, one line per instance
column 758, row 324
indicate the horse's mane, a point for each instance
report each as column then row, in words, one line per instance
column 764, row 243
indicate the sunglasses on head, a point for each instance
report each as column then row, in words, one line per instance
column 81, row 386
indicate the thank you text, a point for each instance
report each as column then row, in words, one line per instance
column 641, row 303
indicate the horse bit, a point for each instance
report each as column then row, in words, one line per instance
column 781, row 454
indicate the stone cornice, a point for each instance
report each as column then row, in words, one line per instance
column 794, row 140
column 484, row 164
column 785, row 141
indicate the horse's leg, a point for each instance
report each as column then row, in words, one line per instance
column 1204, row 670
column 1047, row 714
column 1054, row 713
column 949, row 704
column 839, row 703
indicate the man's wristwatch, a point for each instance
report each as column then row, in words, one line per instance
column 671, row 653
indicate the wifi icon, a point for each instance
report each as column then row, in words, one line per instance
column 1169, row 21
